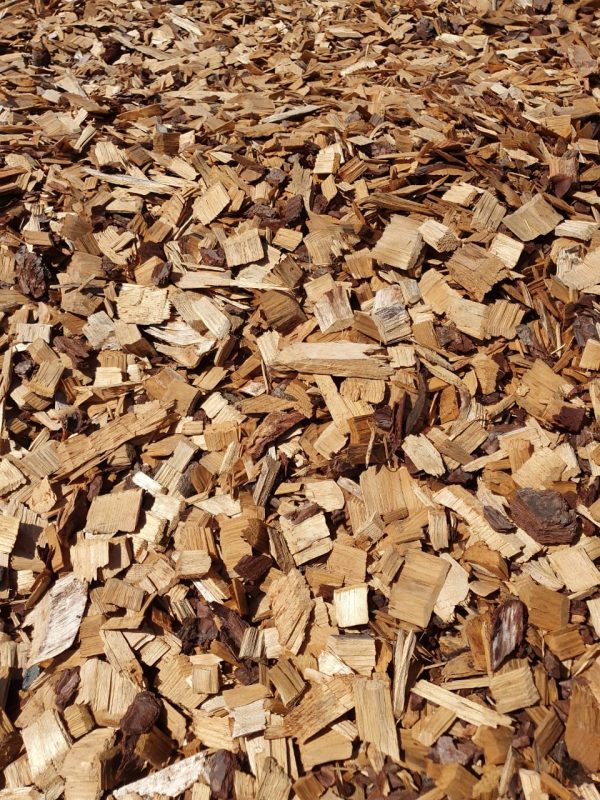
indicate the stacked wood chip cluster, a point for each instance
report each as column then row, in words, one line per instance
column 299, row 400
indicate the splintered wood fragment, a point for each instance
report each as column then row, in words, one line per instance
column 205, row 673
column 331, row 746
column 243, row 248
column 374, row 715
column 270, row 429
column 531, row 784
column 214, row 731
column 546, row 609
column 79, row 720
column 298, row 111
column 429, row 729
column 590, row 358
column 533, row 219
column 343, row 359
column 318, row 708
column 583, row 726
column 401, row 243
column 439, row 534
column 308, row 539
column 327, row 162
column 9, row 530
column 423, row 455
column 351, row 607
column 10, row 477
column 275, row 784
column 329, row 496
column 333, row 311
column 249, row 718
column 266, row 480
column 11, row 743
column 56, row 619
column 460, row 193
column 414, row 595
column 574, row 566
column 175, row 682
column 284, row 313
column 548, row 732
column 85, row 767
column 488, row 212
column 122, row 594
column 208, row 206
column 464, row 709
column 115, row 512
column 438, row 236
column 469, row 508
column 565, row 643
column 355, row 651
column 193, row 564
column 403, row 653
column 514, row 689
column 469, row 317
column 170, row 781
column 577, row 229
column 475, row 269
column 47, row 743
column 594, row 609
column 507, row 249
column 211, row 317
column 382, row 491
column 287, row 681
column 454, row 592
column 141, row 305
column 291, row 605
column 388, row 315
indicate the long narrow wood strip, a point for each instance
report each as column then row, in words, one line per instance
column 463, row 708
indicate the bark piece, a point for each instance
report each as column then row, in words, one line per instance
column 545, row 515
column 507, row 630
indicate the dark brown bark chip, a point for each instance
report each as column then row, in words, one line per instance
column 31, row 273
column 162, row 273
column 275, row 177
column 40, row 56
column 66, row 687
column 246, row 675
column 141, row 715
column 271, row 428
column 198, row 631
column 221, row 770
column 303, row 513
column 75, row 349
column 545, row 515
column 293, row 209
column 570, row 418
column 212, row 257
column 508, row 628
column 253, row 568
column 425, row 30
column 497, row 520
column 231, row 623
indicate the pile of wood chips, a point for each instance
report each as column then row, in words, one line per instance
column 299, row 400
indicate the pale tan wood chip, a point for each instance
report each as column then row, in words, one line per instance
column 465, row 709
